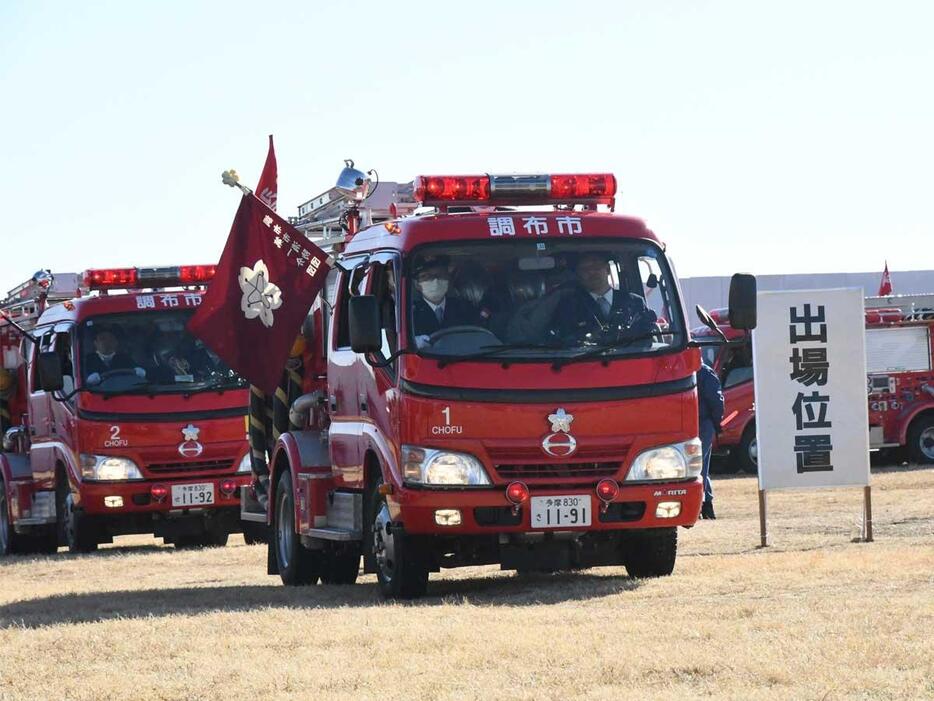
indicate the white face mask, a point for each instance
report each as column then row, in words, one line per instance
column 106, row 357
column 433, row 290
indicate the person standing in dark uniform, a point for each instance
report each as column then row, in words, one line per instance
column 433, row 309
column 598, row 312
column 710, row 414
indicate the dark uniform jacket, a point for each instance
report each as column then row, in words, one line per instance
column 709, row 401
column 581, row 315
column 120, row 361
column 457, row 312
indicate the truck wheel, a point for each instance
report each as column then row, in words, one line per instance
column 74, row 530
column 202, row 540
column 746, row 454
column 652, row 553
column 254, row 533
column 8, row 536
column 340, row 567
column 401, row 569
column 921, row 440
column 298, row 566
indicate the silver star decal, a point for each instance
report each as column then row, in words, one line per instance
column 560, row 421
column 190, row 432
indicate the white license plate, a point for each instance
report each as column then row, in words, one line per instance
column 201, row 494
column 562, row 511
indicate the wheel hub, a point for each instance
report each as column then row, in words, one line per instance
column 754, row 452
column 4, row 529
column 926, row 442
column 284, row 534
column 70, row 534
column 384, row 547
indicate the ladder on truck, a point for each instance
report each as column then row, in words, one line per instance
column 26, row 302
column 894, row 308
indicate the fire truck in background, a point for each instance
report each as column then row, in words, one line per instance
column 115, row 420
column 900, row 381
column 525, row 433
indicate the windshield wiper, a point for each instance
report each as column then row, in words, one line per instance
column 606, row 347
column 493, row 351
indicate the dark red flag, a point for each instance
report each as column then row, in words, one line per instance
column 266, row 280
column 268, row 187
column 885, row 286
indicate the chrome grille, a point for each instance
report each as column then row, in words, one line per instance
column 162, row 468
column 558, row 470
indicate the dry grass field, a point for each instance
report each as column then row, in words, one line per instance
column 815, row 616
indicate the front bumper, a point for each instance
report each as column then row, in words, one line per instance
column 488, row 512
column 135, row 497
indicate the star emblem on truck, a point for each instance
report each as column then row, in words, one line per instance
column 260, row 297
column 190, row 432
column 561, row 421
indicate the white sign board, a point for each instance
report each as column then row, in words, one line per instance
column 812, row 423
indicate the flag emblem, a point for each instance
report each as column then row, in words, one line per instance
column 260, row 296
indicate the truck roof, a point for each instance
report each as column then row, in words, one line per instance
column 406, row 233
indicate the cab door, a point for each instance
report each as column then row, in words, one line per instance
column 62, row 410
column 41, row 436
column 345, row 407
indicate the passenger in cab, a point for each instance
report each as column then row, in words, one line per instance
column 596, row 310
column 107, row 357
column 433, row 309
column 173, row 362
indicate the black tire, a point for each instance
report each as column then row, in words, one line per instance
column 401, row 565
column 74, row 529
column 9, row 544
column 921, row 440
column 723, row 464
column 746, row 454
column 255, row 533
column 201, row 540
column 652, row 553
column 297, row 565
column 340, row 567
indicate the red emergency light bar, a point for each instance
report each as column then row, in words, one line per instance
column 565, row 188
column 131, row 278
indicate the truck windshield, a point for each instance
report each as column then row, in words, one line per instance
column 533, row 299
column 148, row 352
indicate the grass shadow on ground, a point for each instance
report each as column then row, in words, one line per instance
column 120, row 550
column 527, row 590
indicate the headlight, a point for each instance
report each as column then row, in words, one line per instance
column 107, row 468
column 245, row 464
column 669, row 462
column 442, row 467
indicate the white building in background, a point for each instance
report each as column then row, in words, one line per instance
column 714, row 292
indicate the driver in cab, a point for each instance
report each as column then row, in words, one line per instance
column 597, row 311
column 107, row 358
column 433, row 309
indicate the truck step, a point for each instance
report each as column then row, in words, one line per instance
column 332, row 533
column 250, row 508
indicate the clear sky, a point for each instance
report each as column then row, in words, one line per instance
column 765, row 137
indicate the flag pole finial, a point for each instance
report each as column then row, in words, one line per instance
column 232, row 179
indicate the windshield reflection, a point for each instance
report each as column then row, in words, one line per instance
column 538, row 299
column 149, row 352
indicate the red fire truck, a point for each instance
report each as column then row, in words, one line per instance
column 115, row 420
column 900, row 381
column 503, row 377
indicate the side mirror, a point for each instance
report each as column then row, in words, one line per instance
column 365, row 329
column 708, row 321
column 743, row 301
column 49, row 369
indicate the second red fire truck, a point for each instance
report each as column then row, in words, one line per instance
column 506, row 376
column 899, row 383
column 115, row 420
